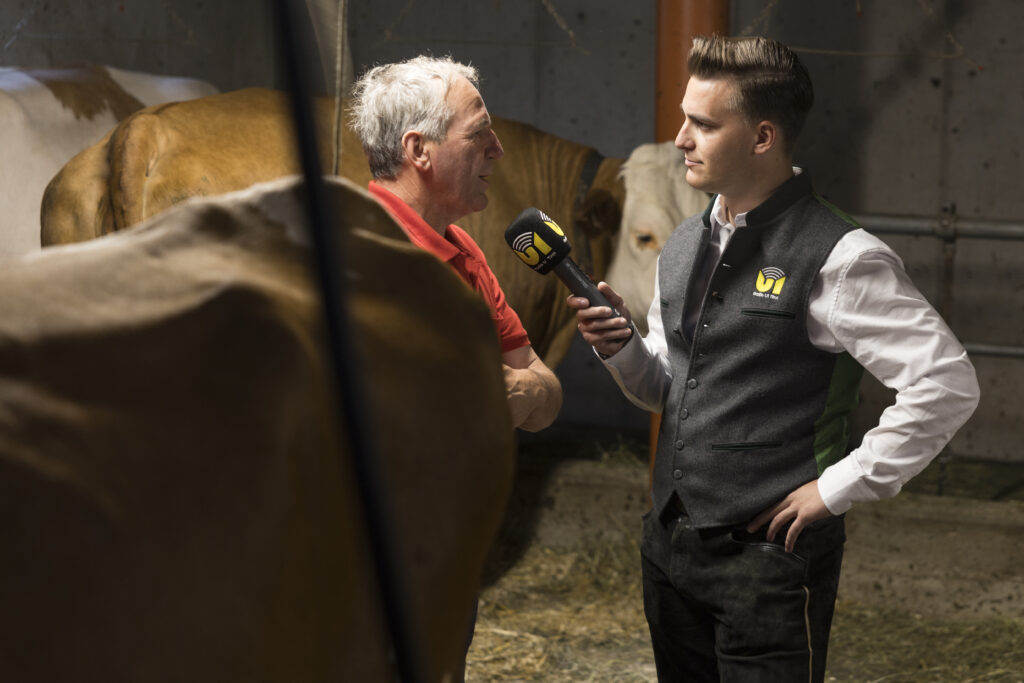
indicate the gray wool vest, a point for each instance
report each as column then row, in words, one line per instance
column 754, row 410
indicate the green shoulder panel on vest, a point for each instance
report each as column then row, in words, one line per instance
column 832, row 428
column 836, row 210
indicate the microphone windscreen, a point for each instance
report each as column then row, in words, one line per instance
column 537, row 240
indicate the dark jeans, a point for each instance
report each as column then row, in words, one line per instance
column 725, row 605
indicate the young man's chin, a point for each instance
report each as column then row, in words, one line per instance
column 696, row 180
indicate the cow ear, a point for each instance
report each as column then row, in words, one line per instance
column 598, row 212
column 598, row 215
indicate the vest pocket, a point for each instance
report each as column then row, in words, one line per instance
column 745, row 446
column 768, row 313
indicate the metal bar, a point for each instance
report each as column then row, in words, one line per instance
column 950, row 227
column 343, row 357
column 994, row 350
column 944, row 226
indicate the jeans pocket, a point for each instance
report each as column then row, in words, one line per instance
column 757, row 542
column 822, row 537
column 655, row 540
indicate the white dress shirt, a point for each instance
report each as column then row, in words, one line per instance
column 863, row 303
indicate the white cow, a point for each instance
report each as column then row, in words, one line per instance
column 658, row 198
column 49, row 115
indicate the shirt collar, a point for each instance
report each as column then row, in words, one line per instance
column 420, row 233
column 718, row 219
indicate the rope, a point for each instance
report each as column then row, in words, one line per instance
column 339, row 80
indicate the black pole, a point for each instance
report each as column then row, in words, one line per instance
column 343, row 357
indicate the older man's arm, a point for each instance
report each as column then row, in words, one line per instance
column 534, row 393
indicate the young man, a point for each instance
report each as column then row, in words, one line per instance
column 766, row 308
column 431, row 149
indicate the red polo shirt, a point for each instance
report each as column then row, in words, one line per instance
column 458, row 250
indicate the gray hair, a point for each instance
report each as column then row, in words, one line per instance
column 392, row 99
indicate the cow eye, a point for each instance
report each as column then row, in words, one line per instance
column 645, row 240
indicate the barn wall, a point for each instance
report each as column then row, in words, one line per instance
column 916, row 113
column 228, row 43
column 918, row 109
column 580, row 69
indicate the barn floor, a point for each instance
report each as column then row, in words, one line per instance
column 932, row 587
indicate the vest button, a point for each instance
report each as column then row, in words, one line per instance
column 684, row 414
column 680, row 445
column 691, row 383
column 677, row 474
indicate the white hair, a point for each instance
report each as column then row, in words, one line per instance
column 392, row 99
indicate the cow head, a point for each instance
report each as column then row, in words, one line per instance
column 658, row 198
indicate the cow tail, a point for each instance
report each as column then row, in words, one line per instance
column 76, row 203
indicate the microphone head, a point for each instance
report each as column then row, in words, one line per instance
column 537, row 240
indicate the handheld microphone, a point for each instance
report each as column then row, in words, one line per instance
column 541, row 244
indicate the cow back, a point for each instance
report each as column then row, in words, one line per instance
column 174, row 484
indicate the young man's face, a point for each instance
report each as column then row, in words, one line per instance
column 462, row 163
column 717, row 139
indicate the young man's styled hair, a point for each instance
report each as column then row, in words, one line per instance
column 772, row 83
column 392, row 99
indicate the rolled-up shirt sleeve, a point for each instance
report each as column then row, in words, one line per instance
column 865, row 304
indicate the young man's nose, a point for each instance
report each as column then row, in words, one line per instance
column 683, row 139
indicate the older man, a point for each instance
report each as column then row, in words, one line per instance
column 428, row 137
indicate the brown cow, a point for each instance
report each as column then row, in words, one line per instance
column 165, row 154
column 49, row 115
column 176, row 500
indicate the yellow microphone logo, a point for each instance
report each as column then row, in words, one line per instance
column 770, row 280
column 531, row 247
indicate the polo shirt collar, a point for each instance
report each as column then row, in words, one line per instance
column 419, row 231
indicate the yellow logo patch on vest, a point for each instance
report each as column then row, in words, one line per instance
column 769, row 283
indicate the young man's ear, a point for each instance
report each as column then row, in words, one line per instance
column 415, row 149
column 767, row 137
